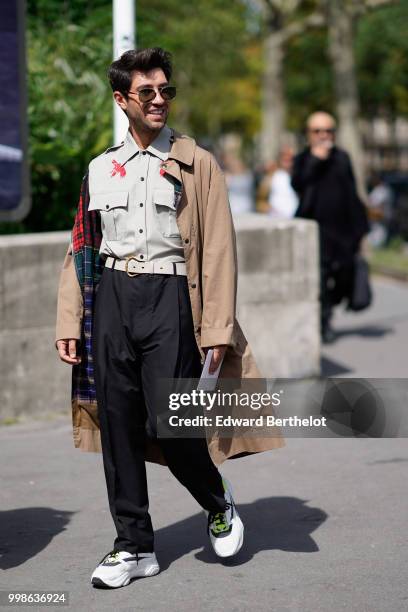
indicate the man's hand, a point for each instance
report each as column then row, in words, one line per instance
column 217, row 356
column 68, row 351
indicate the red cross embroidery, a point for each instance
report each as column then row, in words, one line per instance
column 118, row 169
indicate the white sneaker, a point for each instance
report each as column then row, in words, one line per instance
column 118, row 568
column 226, row 529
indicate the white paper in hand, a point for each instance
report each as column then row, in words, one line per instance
column 208, row 381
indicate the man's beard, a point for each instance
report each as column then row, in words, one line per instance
column 143, row 126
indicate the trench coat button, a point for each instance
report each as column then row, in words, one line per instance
column 186, row 240
column 141, row 256
column 193, row 285
column 107, row 206
column 142, row 178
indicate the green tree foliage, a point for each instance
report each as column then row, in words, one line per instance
column 70, row 107
column 48, row 12
column 381, row 48
column 382, row 56
column 308, row 81
column 210, row 42
column 69, row 113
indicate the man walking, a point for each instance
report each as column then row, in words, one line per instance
column 324, row 180
column 148, row 285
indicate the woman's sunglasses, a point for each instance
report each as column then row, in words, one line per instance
column 146, row 94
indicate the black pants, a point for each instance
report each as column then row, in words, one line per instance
column 143, row 330
column 336, row 279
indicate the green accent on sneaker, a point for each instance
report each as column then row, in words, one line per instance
column 111, row 558
column 219, row 524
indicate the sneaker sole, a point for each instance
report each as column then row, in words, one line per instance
column 122, row 581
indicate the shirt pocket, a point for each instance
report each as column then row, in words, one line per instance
column 113, row 208
column 165, row 211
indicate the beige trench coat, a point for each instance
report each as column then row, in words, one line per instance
column 208, row 235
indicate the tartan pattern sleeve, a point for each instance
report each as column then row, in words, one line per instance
column 86, row 240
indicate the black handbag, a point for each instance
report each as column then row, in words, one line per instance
column 361, row 293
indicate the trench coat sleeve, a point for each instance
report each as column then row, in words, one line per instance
column 219, row 264
column 70, row 303
column 358, row 211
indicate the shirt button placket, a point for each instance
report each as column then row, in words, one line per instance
column 141, row 227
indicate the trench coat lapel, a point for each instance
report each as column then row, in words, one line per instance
column 181, row 154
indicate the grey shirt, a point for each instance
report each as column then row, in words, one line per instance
column 136, row 203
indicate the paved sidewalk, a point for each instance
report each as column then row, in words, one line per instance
column 325, row 519
column 325, row 528
column 372, row 343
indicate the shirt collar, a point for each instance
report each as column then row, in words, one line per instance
column 169, row 144
column 160, row 146
column 130, row 146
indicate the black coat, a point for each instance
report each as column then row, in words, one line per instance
column 327, row 193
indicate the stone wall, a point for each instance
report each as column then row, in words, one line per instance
column 32, row 378
column 278, row 305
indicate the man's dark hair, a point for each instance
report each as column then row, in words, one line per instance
column 121, row 71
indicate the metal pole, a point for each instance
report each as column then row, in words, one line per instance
column 124, row 38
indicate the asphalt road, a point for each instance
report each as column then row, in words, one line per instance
column 325, row 519
column 372, row 343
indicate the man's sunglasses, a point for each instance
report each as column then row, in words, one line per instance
column 322, row 131
column 146, row 94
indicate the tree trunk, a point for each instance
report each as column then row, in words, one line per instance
column 340, row 31
column 273, row 98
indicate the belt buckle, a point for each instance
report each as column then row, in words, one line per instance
column 127, row 267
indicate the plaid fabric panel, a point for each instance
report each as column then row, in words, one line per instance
column 86, row 240
column 78, row 239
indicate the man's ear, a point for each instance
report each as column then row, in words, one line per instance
column 120, row 100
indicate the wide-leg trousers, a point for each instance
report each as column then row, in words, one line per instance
column 143, row 331
column 336, row 280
